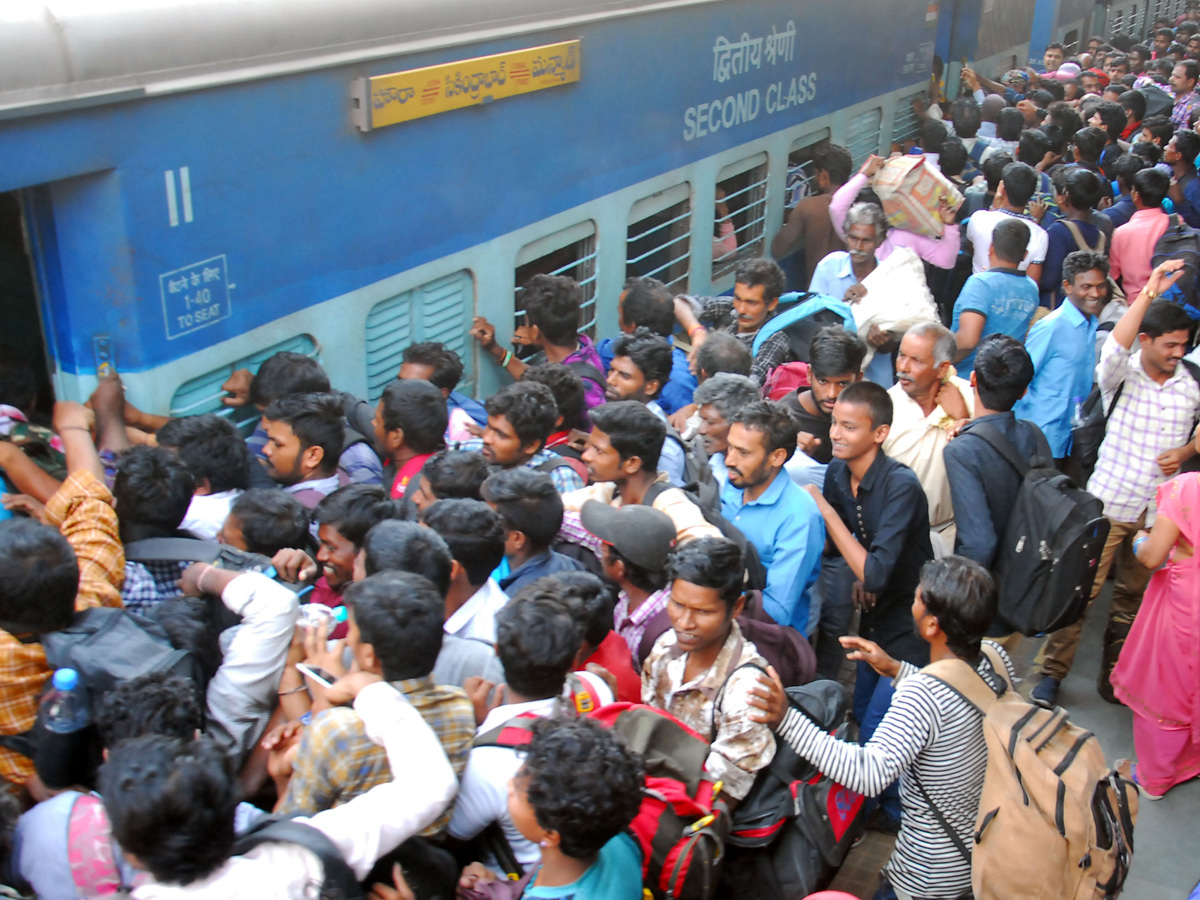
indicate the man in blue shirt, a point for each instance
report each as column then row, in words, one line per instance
column 646, row 303
column 777, row 517
column 1063, row 349
column 1001, row 300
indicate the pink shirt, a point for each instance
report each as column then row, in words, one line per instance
column 1132, row 248
column 941, row 252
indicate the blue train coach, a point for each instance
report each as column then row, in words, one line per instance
column 188, row 187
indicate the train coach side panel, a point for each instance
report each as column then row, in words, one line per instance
column 241, row 204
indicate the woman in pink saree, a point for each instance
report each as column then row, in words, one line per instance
column 1158, row 673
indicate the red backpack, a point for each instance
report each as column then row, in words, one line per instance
column 786, row 378
column 682, row 824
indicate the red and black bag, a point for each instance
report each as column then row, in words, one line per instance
column 792, row 832
column 682, row 823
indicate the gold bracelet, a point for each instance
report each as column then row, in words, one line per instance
column 1150, row 295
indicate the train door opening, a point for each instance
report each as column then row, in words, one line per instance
column 25, row 366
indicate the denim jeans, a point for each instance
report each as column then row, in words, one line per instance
column 872, row 696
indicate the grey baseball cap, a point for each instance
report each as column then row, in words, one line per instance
column 641, row 534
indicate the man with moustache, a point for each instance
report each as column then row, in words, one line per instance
column 929, row 403
column 717, row 402
column 877, row 519
column 776, row 516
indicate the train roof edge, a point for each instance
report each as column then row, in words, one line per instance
column 62, row 54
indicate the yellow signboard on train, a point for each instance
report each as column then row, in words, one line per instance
column 403, row 96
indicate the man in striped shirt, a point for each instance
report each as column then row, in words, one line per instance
column 931, row 737
column 1149, row 436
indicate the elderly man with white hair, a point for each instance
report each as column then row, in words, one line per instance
column 929, row 403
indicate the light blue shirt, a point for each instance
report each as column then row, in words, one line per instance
column 833, row 276
column 1062, row 347
column 787, row 530
column 671, row 459
column 720, row 471
column 1006, row 298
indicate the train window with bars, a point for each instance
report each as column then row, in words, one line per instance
column 203, row 394
column 659, row 239
column 738, row 227
column 1070, row 42
column 571, row 253
column 905, row 123
column 439, row 310
column 862, row 134
column 801, row 178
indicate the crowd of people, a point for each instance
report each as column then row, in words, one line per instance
column 621, row 521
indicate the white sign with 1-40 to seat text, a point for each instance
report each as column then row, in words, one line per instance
column 195, row 296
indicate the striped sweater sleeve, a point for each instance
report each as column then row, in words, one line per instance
column 905, row 731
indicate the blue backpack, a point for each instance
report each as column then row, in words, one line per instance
column 804, row 316
column 470, row 406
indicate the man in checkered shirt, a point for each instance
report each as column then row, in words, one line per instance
column 758, row 284
column 1149, row 435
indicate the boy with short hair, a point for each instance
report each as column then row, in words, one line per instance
column 1001, row 300
column 475, row 534
column 537, row 638
column 532, row 511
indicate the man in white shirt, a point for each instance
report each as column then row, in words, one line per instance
column 1017, row 186
column 217, row 457
column 928, row 400
column 172, row 804
column 537, row 639
column 475, row 534
column 242, row 694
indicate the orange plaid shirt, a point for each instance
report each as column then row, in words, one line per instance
column 83, row 511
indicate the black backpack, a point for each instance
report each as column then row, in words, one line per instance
column 1047, row 559
column 1088, row 435
column 756, row 572
column 1180, row 241
column 791, row 833
column 339, row 883
column 105, row 645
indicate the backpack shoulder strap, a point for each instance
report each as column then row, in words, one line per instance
column 654, row 492
column 584, row 697
column 558, row 462
column 172, row 550
column 655, row 627
column 585, row 369
column 339, row 879
column 1001, row 444
column 1193, row 369
column 1077, row 235
column 725, row 684
column 1117, row 396
column 964, row 681
column 516, row 732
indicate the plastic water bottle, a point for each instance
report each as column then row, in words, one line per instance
column 67, row 744
column 1076, row 412
column 314, row 615
column 66, row 706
